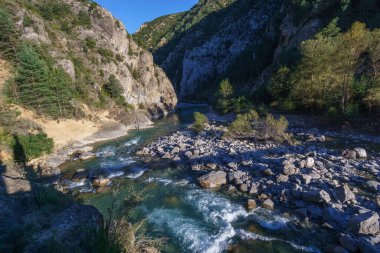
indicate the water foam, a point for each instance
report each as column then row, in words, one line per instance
column 118, row 163
column 72, row 185
column 136, row 173
column 163, row 181
column 132, row 142
column 268, row 219
column 106, row 152
column 245, row 235
column 115, row 174
column 191, row 233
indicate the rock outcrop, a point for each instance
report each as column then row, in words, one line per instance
column 93, row 51
column 243, row 41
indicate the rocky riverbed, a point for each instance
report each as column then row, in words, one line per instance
column 334, row 189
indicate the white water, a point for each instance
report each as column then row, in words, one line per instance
column 136, row 173
column 245, row 235
column 218, row 213
column 132, row 142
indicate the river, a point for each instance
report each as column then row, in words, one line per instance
column 175, row 207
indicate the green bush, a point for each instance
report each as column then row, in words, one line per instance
column 8, row 35
column 28, row 147
column 251, row 125
column 199, row 121
column 90, row 43
column 242, row 125
column 54, row 10
column 84, row 19
column 276, row 128
column 107, row 54
column 28, row 21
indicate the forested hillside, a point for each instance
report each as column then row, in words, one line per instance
column 318, row 56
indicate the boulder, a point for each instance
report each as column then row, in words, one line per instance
column 268, row 204
column 175, row 150
column 290, row 170
column 361, row 153
column 373, row 185
column 251, row 204
column 268, row 172
column 213, row 179
column 349, row 154
column 212, row 165
column 310, row 162
column 365, row 223
column 282, row 178
column 306, row 179
column 343, row 194
column 100, row 182
column 318, row 196
column 188, row 154
column 243, row 188
column 253, row 189
column 232, row 165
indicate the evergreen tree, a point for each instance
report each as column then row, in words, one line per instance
column 40, row 86
column 7, row 34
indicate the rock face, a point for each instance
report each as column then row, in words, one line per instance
column 213, row 179
column 240, row 32
column 104, row 48
column 71, row 225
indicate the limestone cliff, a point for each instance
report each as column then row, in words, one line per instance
column 244, row 40
column 91, row 45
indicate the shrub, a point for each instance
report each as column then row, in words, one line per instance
column 276, row 129
column 28, row 21
column 84, row 19
column 251, row 125
column 90, row 43
column 107, row 54
column 8, row 42
column 242, row 125
column 113, row 87
column 225, row 89
column 51, row 10
column 28, row 147
column 199, row 121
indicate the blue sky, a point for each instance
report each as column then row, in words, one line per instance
column 134, row 13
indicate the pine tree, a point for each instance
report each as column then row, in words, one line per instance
column 7, row 34
column 40, row 86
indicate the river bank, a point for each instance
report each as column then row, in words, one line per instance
column 332, row 187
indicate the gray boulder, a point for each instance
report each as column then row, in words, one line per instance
column 318, row 196
column 343, row 194
column 365, row 223
column 213, row 179
column 268, row 204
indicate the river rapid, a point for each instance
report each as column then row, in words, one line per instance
column 175, row 207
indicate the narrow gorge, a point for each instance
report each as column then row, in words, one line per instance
column 231, row 126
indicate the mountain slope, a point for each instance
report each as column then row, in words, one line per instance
column 157, row 33
column 246, row 41
column 90, row 45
